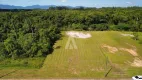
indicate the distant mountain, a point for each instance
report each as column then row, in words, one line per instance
column 38, row 7
column 27, row 7
column 10, row 7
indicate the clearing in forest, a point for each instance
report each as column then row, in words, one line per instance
column 93, row 54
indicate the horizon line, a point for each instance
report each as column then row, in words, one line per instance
column 72, row 6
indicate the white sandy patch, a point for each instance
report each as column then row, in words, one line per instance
column 127, row 35
column 78, row 34
column 137, row 63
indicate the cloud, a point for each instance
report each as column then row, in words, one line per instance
column 129, row 2
column 63, row 0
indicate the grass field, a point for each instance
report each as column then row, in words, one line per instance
column 89, row 60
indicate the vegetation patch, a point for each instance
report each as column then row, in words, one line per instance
column 35, row 62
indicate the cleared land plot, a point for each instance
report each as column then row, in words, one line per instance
column 90, row 60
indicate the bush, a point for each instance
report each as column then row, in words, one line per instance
column 122, row 26
column 136, row 36
column 92, row 27
column 101, row 27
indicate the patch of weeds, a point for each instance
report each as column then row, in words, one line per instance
column 36, row 62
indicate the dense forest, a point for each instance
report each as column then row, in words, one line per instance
column 32, row 33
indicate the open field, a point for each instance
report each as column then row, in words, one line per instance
column 104, row 52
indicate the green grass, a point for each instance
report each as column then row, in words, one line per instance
column 25, row 63
column 90, row 60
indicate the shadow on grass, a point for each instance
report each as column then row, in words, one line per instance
column 58, row 47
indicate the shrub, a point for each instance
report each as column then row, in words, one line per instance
column 122, row 26
column 101, row 27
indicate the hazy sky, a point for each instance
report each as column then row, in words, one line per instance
column 88, row 3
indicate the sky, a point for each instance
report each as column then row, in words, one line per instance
column 85, row 3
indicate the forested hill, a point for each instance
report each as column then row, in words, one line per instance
column 33, row 33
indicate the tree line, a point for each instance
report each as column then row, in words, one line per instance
column 32, row 33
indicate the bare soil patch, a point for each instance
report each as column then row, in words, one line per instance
column 114, row 49
column 78, row 34
column 131, row 51
column 110, row 48
column 127, row 35
column 137, row 62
